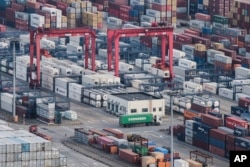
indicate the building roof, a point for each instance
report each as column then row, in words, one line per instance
column 131, row 96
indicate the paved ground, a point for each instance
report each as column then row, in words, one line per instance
column 97, row 118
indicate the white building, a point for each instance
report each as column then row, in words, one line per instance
column 135, row 103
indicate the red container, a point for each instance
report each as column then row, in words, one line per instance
column 10, row 14
column 63, row 7
column 17, row 7
column 230, row 139
column 129, row 156
column 161, row 8
column 211, row 120
column 203, row 17
column 97, row 132
column 119, row 2
column 183, row 38
column 124, row 8
column 98, row 6
column 2, row 28
column 218, row 134
column 102, row 140
column 217, row 151
column 42, row 1
column 181, row 3
column 244, row 102
column 200, row 108
column 237, row 148
column 222, row 66
column 200, row 144
column 113, row 12
column 189, row 31
column 178, row 45
column 229, row 53
column 33, row 5
column 200, row 53
column 115, row 132
column 21, row 110
column 218, row 38
column 178, row 129
column 232, row 122
column 190, row 114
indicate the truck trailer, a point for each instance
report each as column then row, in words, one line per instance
column 136, row 119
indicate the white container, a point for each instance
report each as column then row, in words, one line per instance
column 63, row 82
column 136, row 2
column 160, row 72
column 22, row 16
column 141, row 62
column 75, row 87
column 47, row 78
column 185, row 104
column 180, row 163
column 222, row 58
column 74, row 48
column 188, row 49
column 103, row 53
column 191, row 86
column 188, row 132
column 188, row 64
column 148, row 19
column 61, row 91
column 129, row 26
column 178, row 54
column 75, row 96
column 153, row 13
column 125, row 67
column 90, row 79
column 71, row 115
column 242, row 73
column 246, row 89
column 52, row 11
column 197, row 24
column 114, row 21
column 95, row 95
column 211, row 55
column 227, row 93
column 47, row 44
column 189, row 124
column 241, row 95
column 189, row 140
column 48, row 86
column 51, row 71
column 210, row 87
column 95, row 103
column 160, row 2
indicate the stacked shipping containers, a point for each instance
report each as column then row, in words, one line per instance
column 21, row 148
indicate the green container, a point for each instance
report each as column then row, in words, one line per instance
column 220, row 19
column 135, row 119
column 58, row 117
column 141, row 150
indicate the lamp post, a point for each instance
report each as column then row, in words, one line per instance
column 14, row 80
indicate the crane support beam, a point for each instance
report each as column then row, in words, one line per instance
column 115, row 34
column 36, row 35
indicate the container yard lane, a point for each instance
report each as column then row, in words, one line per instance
column 94, row 118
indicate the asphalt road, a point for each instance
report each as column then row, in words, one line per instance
column 99, row 119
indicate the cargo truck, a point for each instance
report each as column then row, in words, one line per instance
column 136, row 119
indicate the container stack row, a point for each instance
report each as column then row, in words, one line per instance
column 21, row 148
column 215, row 133
column 128, row 149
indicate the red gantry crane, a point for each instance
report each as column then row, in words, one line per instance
column 166, row 33
column 36, row 35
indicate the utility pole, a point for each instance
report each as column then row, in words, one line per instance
column 14, row 81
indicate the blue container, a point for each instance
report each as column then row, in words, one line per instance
column 200, row 60
column 30, row 10
column 202, row 11
column 151, row 143
column 139, row 7
column 245, row 116
column 206, row 30
column 242, row 142
column 218, row 31
column 25, row 146
column 197, row 119
column 236, row 110
column 162, row 150
column 245, row 65
column 240, row 131
column 181, row 137
column 216, row 114
column 133, row 13
column 201, row 136
column 217, row 143
column 200, row 2
column 201, row 128
column 5, row 3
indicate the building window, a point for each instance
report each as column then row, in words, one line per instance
column 109, row 106
column 144, row 110
column 154, row 109
column 133, row 110
column 160, row 109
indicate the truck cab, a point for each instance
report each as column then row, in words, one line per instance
column 157, row 120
